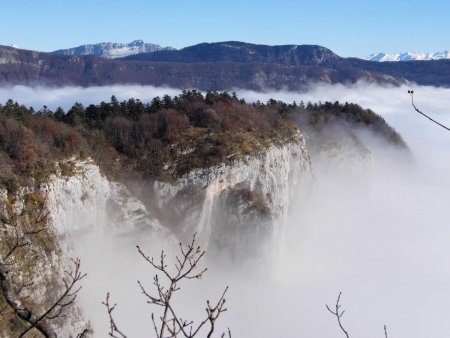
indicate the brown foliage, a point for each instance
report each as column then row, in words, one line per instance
column 73, row 140
column 176, row 124
column 179, row 134
column 19, row 143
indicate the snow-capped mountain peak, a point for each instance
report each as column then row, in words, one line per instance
column 408, row 56
column 112, row 50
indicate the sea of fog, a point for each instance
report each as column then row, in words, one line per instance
column 382, row 236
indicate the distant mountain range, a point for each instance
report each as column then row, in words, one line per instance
column 235, row 51
column 408, row 56
column 112, row 50
column 211, row 52
column 216, row 66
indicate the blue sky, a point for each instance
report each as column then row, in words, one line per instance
column 348, row 27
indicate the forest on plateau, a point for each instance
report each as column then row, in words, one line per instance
column 162, row 139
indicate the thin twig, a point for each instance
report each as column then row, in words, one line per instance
column 113, row 327
column 20, row 238
column 66, row 299
column 186, row 267
column 338, row 313
column 411, row 92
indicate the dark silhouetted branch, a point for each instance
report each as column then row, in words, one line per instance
column 411, row 92
column 338, row 313
column 66, row 299
column 114, row 331
column 22, row 234
column 21, row 238
column 83, row 334
column 170, row 324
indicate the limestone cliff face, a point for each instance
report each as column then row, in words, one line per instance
column 236, row 206
column 84, row 202
column 88, row 200
column 33, row 273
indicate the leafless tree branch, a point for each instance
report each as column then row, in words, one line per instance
column 411, row 92
column 83, row 334
column 66, row 299
column 114, row 331
column 21, row 238
column 338, row 313
column 169, row 323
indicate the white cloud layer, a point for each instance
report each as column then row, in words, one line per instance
column 382, row 238
column 65, row 97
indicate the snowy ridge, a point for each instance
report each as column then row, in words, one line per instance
column 408, row 56
column 112, row 50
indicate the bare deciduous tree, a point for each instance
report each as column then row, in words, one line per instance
column 18, row 236
column 170, row 324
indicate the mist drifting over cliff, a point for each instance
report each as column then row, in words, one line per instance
column 379, row 233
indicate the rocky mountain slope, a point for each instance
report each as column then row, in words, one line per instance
column 112, row 50
column 217, row 66
column 32, row 68
column 235, row 51
column 343, row 70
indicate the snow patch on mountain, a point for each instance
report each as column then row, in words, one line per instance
column 112, row 50
column 408, row 56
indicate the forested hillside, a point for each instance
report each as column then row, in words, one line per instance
column 162, row 139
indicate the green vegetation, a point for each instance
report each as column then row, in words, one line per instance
column 10, row 184
column 162, row 139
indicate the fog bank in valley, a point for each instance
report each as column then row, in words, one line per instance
column 65, row 97
column 380, row 235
